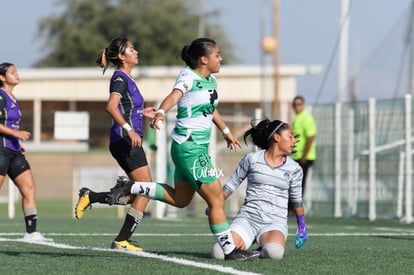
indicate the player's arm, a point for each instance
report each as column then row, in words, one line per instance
column 238, row 176
column 20, row 134
column 112, row 109
column 168, row 102
column 310, row 139
column 308, row 145
column 295, row 196
column 232, row 143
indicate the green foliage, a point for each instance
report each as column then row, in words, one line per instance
column 158, row 29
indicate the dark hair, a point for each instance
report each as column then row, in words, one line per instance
column 299, row 97
column 3, row 69
column 262, row 133
column 109, row 55
column 191, row 54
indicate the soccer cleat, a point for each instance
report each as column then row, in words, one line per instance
column 242, row 255
column 83, row 203
column 35, row 237
column 120, row 190
column 126, row 245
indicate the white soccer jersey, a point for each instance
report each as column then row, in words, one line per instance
column 268, row 188
column 195, row 107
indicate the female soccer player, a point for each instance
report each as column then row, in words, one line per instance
column 126, row 107
column 273, row 178
column 12, row 159
column 195, row 94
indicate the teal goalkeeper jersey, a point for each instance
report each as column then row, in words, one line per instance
column 195, row 108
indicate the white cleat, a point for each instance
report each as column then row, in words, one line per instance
column 35, row 237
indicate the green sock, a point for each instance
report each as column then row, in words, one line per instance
column 159, row 192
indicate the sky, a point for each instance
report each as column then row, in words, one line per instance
column 308, row 31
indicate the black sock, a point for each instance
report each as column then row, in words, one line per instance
column 31, row 223
column 128, row 228
column 98, row 197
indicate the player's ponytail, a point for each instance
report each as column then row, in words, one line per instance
column 261, row 134
column 199, row 47
column 109, row 55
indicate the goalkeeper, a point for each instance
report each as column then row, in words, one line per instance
column 272, row 178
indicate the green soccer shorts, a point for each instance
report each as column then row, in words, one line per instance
column 193, row 163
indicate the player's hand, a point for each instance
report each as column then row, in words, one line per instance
column 157, row 121
column 23, row 135
column 301, row 233
column 232, row 143
column 136, row 140
column 149, row 112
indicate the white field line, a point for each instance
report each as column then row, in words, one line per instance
column 344, row 234
column 219, row 268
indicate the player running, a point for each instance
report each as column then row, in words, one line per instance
column 195, row 94
column 126, row 107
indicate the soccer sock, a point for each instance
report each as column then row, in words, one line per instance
column 150, row 190
column 159, row 192
column 30, row 218
column 132, row 220
column 100, row 197
column 223, row 236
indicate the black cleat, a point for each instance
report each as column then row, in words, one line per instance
column 120, row 190
column 242, row 255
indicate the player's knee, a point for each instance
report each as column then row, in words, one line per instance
column 273, row 251
column 217, row 252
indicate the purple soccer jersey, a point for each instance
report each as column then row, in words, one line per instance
column 10, row 116
column 130, row 106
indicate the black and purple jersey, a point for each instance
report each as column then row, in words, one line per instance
column 10, row 116
column 130, row 106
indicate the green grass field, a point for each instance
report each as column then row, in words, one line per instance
column 182, row 246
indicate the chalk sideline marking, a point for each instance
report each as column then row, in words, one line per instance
column 337, row 234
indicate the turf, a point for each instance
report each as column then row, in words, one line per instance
column 182, row 246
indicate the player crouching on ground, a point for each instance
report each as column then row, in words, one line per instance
column 273, row 178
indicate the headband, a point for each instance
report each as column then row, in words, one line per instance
column 274, row 131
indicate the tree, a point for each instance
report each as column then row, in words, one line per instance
column 158, row 29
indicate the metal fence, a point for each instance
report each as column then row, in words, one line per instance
column 364, row 159
column 364, row 162
column 363, row 166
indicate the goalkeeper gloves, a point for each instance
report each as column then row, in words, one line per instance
column 301, row 233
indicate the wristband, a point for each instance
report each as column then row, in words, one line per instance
column 160, row 111
column 127, row 127
column 225, row 131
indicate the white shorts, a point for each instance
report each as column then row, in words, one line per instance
column 250, row 231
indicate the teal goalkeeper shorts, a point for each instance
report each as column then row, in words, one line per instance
column 192, row 163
